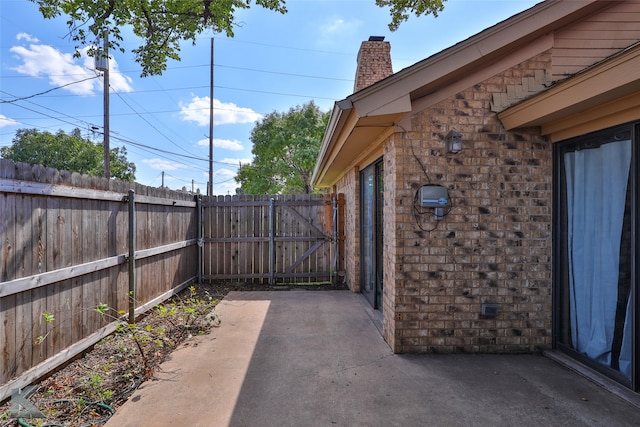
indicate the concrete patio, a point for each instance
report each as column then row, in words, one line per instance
column 315, row 358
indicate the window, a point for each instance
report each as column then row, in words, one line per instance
column 371, row 207
column 594, row 267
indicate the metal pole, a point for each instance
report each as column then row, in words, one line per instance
column 200, row 237
column 107, row 160
column 272, row 241
column 210, row 188
column 132, row 257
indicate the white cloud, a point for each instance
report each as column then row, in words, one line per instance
column 223, row 174
column 336, row 27
column 62, row 69
column 224, row 182
column 223, row 112
column 6, row 121
column 333, row 26
column 227, row 144
column 162, row 165
column 27, row 37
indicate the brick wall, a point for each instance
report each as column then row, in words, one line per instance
column 374, row 63
column 495, row 244
column 391, row 249
column 350, row 186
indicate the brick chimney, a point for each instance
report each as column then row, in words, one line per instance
column 374, row 62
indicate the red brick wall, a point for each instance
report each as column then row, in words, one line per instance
column 350, row 186
column 374, row 63
column 392, row 209
column 493, row 247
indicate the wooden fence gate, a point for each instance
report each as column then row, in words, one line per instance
column 274, row 239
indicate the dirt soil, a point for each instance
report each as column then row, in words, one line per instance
column 87, row 390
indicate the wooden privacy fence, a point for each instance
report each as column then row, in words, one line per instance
column 71, row 242
column 274, row 239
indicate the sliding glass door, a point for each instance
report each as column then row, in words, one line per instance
column 371, row 203
column 595, row 270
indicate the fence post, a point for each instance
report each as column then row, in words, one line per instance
column 132, row 257
column 334, row 202
column 272, row 241
column 200, row 236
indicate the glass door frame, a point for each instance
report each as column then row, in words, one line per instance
column 559, row 270
column 374, row 236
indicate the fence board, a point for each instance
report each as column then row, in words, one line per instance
column 9, row 365
column 238, row 243
column 77, row 258
column 63, row 241
column 65, row 237
column 23, row 308
column 50, row 255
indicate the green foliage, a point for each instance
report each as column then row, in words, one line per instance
column 186, row 316
column 401, row 9
column 119, row 167
column 162, row 25
column 48, row 318
column 94, row 389
column 285, row 149
column 70, row 152
column 102, row 308
column 125, row 358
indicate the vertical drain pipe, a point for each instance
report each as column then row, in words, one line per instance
column 132, row 257
column 272, row 241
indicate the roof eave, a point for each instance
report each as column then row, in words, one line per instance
column 392, row 96
column 335, row 125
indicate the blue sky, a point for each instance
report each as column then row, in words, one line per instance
column 274, row 62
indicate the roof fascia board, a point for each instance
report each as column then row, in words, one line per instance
column 399, row 105
column 342, row 122
column 373, row 151
column 579, row 92
column 609, row 114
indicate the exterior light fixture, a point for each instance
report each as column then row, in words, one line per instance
column 454, row 142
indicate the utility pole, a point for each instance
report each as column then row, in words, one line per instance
column 210, row 189
column 102, row 64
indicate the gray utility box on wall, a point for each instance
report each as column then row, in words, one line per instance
column 433, row 196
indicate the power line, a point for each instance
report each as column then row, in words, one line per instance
column 302, row 49
column 256, row 70
column 50, row 116
column 160, row 150
column 149, row 123
column 122, row 139
column 46, row 91
column 206, row 87
column 184, row 180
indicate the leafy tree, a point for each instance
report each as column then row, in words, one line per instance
column 119, row 167
column 70, row 152
column 162, row 24
column 401, row 9
column 285, row 149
